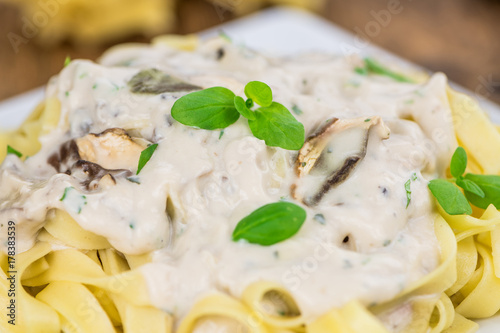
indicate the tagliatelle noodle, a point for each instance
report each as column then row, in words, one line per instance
column 64, row 228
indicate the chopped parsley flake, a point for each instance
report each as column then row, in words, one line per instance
column 297, row 110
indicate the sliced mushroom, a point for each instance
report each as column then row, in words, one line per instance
column 96, row 159
column 65, row 157
column 154, row 81
column 330, row 155
column 111, row 149
column 94, row 176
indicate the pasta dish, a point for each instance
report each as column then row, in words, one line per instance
column 189, row 186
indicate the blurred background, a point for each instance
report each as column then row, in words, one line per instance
column 458, row 37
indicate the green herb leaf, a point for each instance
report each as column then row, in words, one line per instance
column 146, row 156
column 458, row 162
column 408, row 192
column 297, row 110
column 134, row 179
column 450, row 197
column 320, row 218
column 470, row 186
column 225, row 36
column 73, row 199
column 11, row 150
column 153, row 81
column 277, row 127
column 210, row 109
column 241, row 107
column 270, row 224
column 66, row 190
column 67, row 61
column 259, row 92
column 361, row 70
column 490, row 185
column 408, row 187
column 373, row 66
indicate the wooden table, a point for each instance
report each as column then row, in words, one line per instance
column 458, row 37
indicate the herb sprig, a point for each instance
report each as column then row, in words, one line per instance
column 67, row 60
column 408, row 188
column 146, row 156
column 480, row 190
column 270, row 224
column 13, row 151
column 371, row 66
column 218, row 107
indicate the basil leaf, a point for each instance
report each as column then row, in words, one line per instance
column 277, row 127
column 373, row 66
column 11, row 150
column 146, row 156
column 67, row 61
column 242, row 108
column 210, row 109
column 259, row 92
column 490, row 185
column 153, row 81
column 458, row 162
column 470, row 186
column 271, row 223
column 450, row 197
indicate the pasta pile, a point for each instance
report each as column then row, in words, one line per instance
column 94, row 22
column 74, row 281
column 87, row 22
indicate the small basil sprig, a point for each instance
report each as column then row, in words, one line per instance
column 480, row 190
column 218, row 107
column 146, row 156
column 271, row 223
column 371, row 66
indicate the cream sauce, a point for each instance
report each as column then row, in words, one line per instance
column 212, row 180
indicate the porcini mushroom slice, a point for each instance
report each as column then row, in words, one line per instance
column 93, row 175
column 65, row 157
column 111, row 149
column 154, row 81
column 330, row 155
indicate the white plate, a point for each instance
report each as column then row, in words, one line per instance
column 278, row 31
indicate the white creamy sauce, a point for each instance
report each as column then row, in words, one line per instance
column 210, row 181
